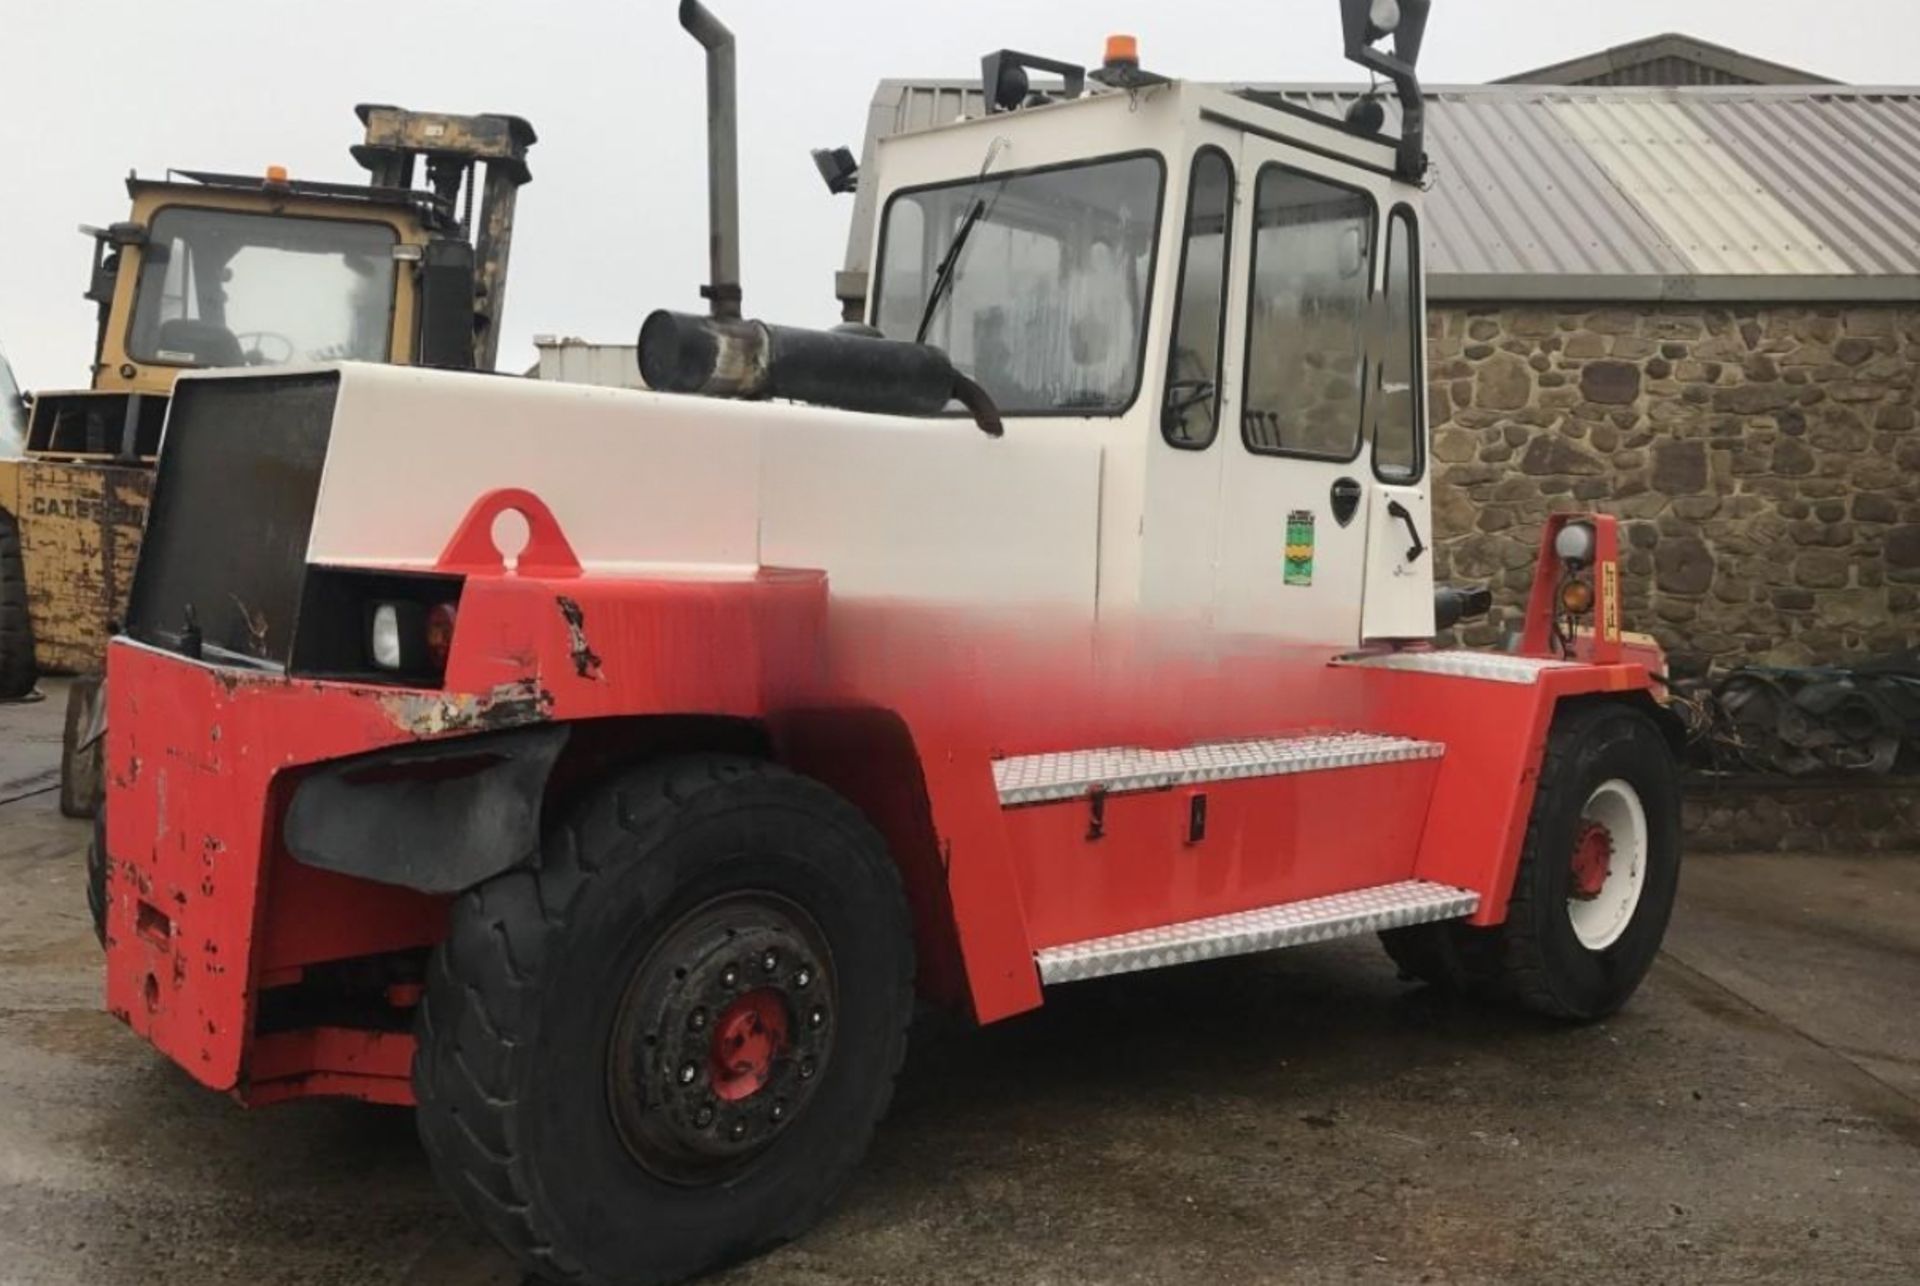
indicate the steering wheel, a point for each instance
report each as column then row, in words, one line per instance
column 251, row 351
column 1183, row 395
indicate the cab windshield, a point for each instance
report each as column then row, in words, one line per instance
column 221, row 288
column 1045, row 302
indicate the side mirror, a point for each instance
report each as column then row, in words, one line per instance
column 838, row 170
column 1353, row 252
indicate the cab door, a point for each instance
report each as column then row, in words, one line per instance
column 1295, row 499
column 1399, row 579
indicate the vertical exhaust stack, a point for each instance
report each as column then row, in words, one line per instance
column 723, row 159
column 723, row 355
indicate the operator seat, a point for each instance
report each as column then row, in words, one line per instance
column 203, row 343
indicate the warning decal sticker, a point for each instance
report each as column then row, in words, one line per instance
column 1300, row 547
column 1610, row 601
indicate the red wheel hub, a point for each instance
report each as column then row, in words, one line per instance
column 750, row 1034
column 1592, row 860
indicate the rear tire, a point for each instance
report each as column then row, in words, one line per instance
column 574, row 1098
column 18, row 671
column 1448, row 956
column 81, row 768
column 1566, row 950
column 97, row 876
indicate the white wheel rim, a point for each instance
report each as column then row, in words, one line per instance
column 1600, row 920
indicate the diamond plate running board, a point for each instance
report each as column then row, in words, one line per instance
column 1291, row 924
column 1492, row 667
column 1038, row 779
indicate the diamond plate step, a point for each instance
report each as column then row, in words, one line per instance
column 1292, row 924
column 1492, row 667
column 1037, row 779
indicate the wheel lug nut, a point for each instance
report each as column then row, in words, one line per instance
column 738, row 1132
column 730, row 976
column 703, row 1118
column 779, row 1111
column 806, row 1069
column 697, row 1020
column 802, row 978
column 687, row 1073
column 769, row 962
column 816, row 1016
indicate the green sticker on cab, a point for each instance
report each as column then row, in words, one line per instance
column 1300, row 547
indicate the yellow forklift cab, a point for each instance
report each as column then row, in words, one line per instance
column 221, row 270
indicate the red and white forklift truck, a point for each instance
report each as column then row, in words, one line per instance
column 603, row 770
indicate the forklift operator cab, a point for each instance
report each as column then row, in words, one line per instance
column 1229, row 303
column 227, row 288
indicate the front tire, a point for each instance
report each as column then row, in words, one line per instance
column 666, row 1048
column 1595, row 886
column 1600, row 868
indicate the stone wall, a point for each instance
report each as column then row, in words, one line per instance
column 1763, row 814
column 1764, row 462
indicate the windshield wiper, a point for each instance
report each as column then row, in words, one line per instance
column 943, row 276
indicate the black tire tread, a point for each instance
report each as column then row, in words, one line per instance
column 18, row 671
column 498, row 935
column 1507, row 962
column 1523, row 976
column 97, row 876
column 82, row 772
column 1447, row 956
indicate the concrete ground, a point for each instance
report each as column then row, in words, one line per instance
column 1754, row 1116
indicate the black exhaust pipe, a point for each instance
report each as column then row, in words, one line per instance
column 724, row 356
column 723, row 159
column 727, row 357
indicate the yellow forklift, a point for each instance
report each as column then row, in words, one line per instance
column 230, row 270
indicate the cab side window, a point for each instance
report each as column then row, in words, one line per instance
column 1190, row 413
column 1307, row 317
column 1399, row 431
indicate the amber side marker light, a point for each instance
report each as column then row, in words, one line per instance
column 439, row 632
column 1576, row 598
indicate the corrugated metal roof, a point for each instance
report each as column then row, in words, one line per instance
column 1720, row 216
column 1615, row 193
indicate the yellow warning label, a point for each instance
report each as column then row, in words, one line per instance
column 1610, row 601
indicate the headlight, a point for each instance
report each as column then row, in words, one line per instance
column 409, row 638
column 384, row 637
column 1575, row 543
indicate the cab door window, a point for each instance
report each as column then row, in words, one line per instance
column 1307, row 316
column 1190, row 412
column 1399, row 430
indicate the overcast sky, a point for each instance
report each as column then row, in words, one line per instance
column 614, row 222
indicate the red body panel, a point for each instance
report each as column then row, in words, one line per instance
column 203, row 900
column 1267, row 840
column 1496, row 735
column 904, row 717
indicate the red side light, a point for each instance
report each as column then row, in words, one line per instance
column 439, row 632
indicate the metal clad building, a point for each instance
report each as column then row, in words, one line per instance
column 1669, row 59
